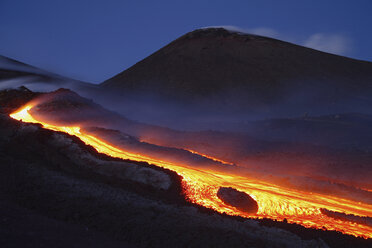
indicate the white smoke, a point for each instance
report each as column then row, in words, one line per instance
column 331, row 43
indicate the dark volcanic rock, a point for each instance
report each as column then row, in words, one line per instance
column 364, row 220
column 238, row 199
column 12, row 99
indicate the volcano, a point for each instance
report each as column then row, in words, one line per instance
column 235, row 71
column 75, row 160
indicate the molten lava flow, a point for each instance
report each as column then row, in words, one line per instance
column 274, row 202
column 210, row 157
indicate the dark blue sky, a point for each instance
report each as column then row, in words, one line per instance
column 93, row 40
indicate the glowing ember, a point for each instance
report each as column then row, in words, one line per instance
column 274, row 202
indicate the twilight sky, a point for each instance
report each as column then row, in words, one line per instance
column 93, row 40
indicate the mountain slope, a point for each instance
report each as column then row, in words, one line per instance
column 241, row 69
column 11, row 69
column 14, row 74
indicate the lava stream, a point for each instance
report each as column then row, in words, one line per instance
column 201, row 185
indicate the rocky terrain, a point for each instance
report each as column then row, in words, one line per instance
column 52, row 183
column 57, row 182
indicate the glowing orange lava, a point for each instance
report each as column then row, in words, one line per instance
column 275, row 202
column 210, row 157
